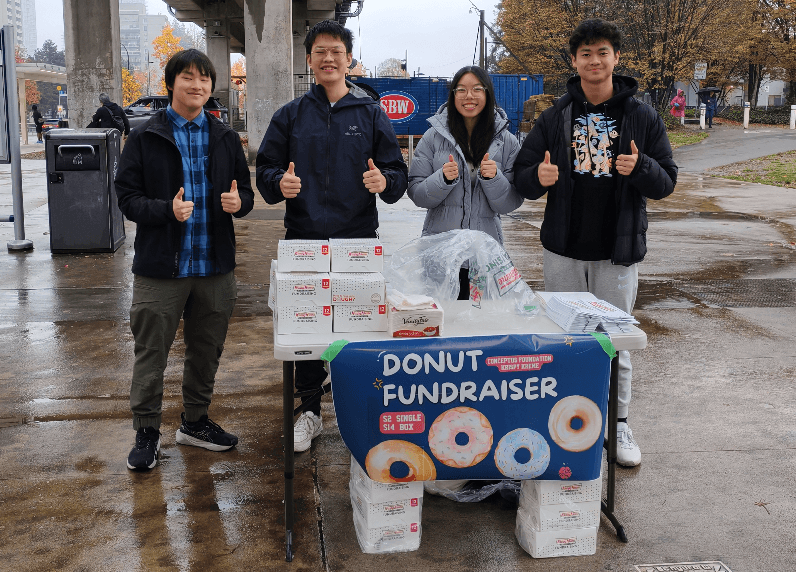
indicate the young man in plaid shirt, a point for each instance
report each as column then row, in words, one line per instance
column 182, row 178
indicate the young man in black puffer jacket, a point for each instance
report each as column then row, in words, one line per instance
column 598, row 154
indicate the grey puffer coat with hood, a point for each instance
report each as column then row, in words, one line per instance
column 459, row 205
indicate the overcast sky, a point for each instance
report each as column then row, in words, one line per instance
column 437, row 37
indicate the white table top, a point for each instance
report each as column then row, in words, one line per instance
column 461, row 320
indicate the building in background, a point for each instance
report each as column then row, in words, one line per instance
column 22, row 15
column 137, row 30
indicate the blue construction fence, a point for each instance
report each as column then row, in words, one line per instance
column 410, row 101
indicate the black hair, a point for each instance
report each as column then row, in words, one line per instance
column 476, row 147
column 34, row 107
column 589, row 31
column 185, row 60
column 333, row 29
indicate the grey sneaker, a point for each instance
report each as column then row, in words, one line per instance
column 627, row 452
column 307, row 427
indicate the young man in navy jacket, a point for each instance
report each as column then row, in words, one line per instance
column 328, row 154
column 598, row 154
column 182, row 177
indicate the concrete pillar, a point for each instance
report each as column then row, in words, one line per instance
column 23, row 116
column 269, row 64
column 217, row 35
column 746, row 110
column 93, row 56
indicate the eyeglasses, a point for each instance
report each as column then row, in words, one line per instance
column 336, row 53
column 477, row 91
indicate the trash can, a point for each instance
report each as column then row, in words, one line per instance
column 84, row 211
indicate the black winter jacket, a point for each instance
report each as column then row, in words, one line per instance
column 104, row 117
column 654, row 176
column 150, row 176
column 330, row 147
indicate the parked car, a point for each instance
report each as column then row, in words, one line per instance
column 140, row 110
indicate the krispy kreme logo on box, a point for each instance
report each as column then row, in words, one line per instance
column 569, row 514
column 304, row 287
column 399, row 106
column 358, row 254
column 361, row 313
column 305, row 315
column 571, row 488
column 565, row 542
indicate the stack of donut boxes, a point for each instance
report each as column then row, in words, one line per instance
column 326, row 286
column 559, row 518
column 336, row 286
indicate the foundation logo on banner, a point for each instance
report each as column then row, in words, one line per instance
column 399, row 106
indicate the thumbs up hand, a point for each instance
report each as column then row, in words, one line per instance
column 230, row 201
column 626, row 163
column 488, row 168
column 290, row 184
column 374, row 181
column 182, row 209
column 450, row 170
column 547, row 172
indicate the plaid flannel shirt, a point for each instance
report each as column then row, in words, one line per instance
column 192, row 138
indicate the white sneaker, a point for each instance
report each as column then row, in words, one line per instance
column 627, row 452
column 307, row 427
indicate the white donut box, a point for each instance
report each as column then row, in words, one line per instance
column 302, row 288
column 544, row 517
column 378, row 514
column 376, row 492
column 546, row 492
column 397, row 537
column 364, row 318
column 304, row 256
column 356, row 254
column 357, row 288
column 552, row 543
column 305, row 319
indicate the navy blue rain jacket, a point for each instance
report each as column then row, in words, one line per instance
column 330, row 147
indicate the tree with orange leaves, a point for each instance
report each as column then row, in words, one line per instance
column 32, row 94
column 132, row 87
column 166, row 45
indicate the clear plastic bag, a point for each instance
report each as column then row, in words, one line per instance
column 430, row 266
column 474, row 491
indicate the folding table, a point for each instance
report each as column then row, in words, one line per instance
column 296, row 347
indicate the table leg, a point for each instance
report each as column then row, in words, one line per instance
column 287, row 414
column 610, row 444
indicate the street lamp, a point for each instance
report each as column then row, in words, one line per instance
column 128, row 56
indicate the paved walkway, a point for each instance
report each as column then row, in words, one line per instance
column 713, row 408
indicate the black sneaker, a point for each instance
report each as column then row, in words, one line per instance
column 205, row 433
column 144, row 455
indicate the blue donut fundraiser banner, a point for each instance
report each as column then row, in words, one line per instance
column 492, row 407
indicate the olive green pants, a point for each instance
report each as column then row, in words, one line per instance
column 205, row 304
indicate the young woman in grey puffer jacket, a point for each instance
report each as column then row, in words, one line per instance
column 463, row 167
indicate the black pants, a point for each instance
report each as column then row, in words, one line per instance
column 464, row 284
column 310, row 375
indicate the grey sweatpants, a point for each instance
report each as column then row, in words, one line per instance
column 615, row 284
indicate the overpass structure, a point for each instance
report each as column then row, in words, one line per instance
column 270, row 33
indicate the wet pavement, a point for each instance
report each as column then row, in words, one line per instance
column 714, row 403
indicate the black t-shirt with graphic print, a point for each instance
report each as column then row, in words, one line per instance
column 595, row 146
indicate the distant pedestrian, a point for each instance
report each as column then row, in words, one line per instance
column 38, row 122
column 599, row 155
column 110, row 115
column 182, row 178
column 678, row 105
column 710, row 108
